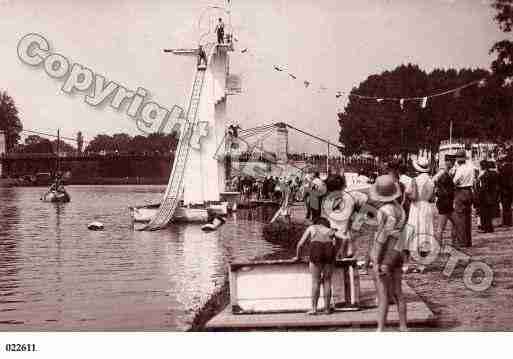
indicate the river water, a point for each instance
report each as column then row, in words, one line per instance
column 55, row 274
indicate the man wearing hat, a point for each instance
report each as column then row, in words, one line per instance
column 463, row 182
column 487, row 194
column 506, row 189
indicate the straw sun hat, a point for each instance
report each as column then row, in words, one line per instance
column 421, row 165
column 385, row 189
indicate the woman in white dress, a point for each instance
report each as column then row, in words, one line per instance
column 421, row 234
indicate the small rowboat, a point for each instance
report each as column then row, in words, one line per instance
column 56, row 197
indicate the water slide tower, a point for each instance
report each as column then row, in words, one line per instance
column 205, row 173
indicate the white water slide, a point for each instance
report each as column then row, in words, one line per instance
column 175, row 185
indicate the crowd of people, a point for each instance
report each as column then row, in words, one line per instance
column 269, row 188
column 406, row 198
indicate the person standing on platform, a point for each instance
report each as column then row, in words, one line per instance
column 202, row 56
column 487, row 193
column 322, row 260
column 220, row 31
column 463, row 182
column 506, row 190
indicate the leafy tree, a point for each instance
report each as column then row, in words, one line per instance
column 9, row 120
column 101, row 143
column 32, row 140
column 123, row 143
column 64, row 147
column 503, row 65
column 384, row 128
column 37, row 144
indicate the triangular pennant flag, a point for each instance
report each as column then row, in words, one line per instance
column 277, row 68
column 424, row 102
column 401, row 103
column 482, row 83
column 244, row 50
column 457, row 93
column 379, row 100
column 307, row 83
column 291, row 75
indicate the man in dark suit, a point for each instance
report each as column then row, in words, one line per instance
column 488, row 192
column 506, row 189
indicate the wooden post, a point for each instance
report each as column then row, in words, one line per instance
column 233, row 289
column 328, row 160
column 58, row 151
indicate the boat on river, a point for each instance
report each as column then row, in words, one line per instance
column 57, row 193
column 144, row 214
column 56, row 196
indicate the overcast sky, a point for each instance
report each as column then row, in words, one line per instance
column 332, row 43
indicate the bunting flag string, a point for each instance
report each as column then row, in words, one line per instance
column 456, row 92
column 424, row 102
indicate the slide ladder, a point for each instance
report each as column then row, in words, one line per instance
column 174, row 188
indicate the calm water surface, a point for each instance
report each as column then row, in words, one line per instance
column 55, row 274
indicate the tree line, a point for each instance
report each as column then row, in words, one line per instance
column 389, row 127
column 121, row 143
column 481, row 113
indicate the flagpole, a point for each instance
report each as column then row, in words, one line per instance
column 328, row 160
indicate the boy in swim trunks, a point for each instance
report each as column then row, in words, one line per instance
column 322, row 259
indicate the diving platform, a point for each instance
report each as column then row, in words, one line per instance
column 276, row 295
column 191, row 52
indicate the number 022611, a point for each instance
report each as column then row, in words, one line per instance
column 20, row 347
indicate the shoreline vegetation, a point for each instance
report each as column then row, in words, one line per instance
column 93, row 181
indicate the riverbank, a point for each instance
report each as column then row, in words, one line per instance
column 7, row 182
column 456, row 307
column 94, row 181
column 285, row 235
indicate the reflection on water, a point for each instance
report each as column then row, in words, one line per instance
column 57, row 275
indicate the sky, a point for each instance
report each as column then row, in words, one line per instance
column 330, row 43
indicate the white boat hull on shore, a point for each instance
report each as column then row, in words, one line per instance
column 144, row 214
